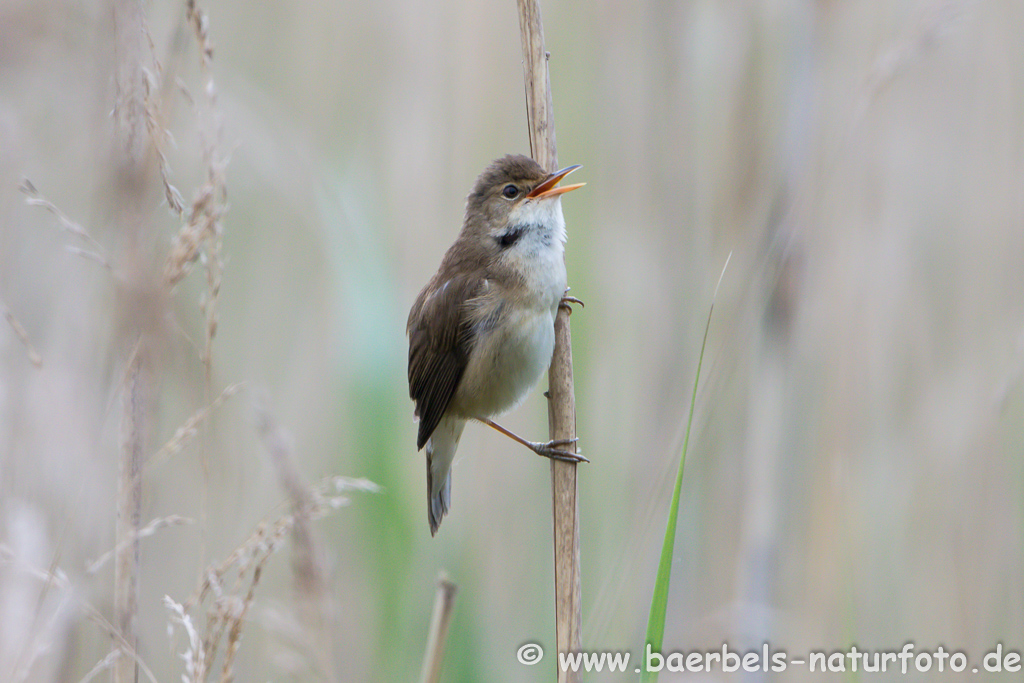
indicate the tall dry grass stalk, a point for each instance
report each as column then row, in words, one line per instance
column 561, row 396
column 137, row 398
column 139, row 141
column 134, row 425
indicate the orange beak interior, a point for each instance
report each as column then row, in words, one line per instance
column 548, row 189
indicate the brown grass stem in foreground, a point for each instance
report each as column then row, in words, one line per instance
column 440, row 620
column 561, row 396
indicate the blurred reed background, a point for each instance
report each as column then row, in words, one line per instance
column 855, row 472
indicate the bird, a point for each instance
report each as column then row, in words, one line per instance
column 481, row 332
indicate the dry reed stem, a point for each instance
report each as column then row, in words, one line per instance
column 440, row 620
column 129, row 504
column 130, row 156
column 562, row 401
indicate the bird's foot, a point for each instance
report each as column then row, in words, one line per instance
column 553, row 450
column 550, row 449
column 567, row 301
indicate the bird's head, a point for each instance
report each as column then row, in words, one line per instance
column 515, row 198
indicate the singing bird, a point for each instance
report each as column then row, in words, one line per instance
column 481, row 333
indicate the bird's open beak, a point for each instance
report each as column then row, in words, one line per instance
column 548, row 189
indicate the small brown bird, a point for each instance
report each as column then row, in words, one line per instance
column 481, row 332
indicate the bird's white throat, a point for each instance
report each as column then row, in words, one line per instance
column 545, row 214
column 538, row 256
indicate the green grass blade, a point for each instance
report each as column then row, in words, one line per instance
column 659, row 601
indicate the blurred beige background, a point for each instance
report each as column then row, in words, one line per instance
column 854, row 474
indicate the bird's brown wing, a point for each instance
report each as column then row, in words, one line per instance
column 439, row 352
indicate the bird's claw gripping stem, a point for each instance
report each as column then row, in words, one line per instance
column 552, row 450
column 567, row 301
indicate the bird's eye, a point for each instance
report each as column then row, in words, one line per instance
column 510, row 191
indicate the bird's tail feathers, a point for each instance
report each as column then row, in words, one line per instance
column 440, row 453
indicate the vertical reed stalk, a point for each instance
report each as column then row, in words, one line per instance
column 440, row 620
column 129, row 163
column 129, row 505
column 562, row 400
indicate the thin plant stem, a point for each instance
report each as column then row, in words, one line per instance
column 440, row 620
column 130, row 166
column 562, row 400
